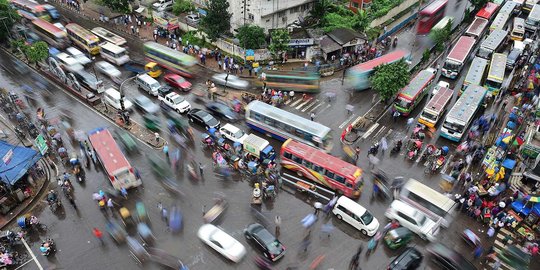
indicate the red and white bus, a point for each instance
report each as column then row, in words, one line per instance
column 53, row 35
column 489, row 11
column 30, row 9
column 430, row 15
column 322, row 168
column 457, row 57
column 117, row 167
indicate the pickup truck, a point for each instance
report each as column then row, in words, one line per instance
column 174, row 101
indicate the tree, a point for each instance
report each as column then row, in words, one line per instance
column 182, row 6
column 387, row 79
column 37, row 52
column 218, row 19
column 279, row 42
column 251, row 36
column 320, row 9
column 440, row 36
column 362, row 21
column 478, row 4
column 120, row 6
column 9, row 18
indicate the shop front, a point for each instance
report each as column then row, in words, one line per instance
column 299, row 48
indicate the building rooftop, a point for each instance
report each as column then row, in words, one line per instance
column 344, row 35
column 328, row 45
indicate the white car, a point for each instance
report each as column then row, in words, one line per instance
column 60, row 26
column 413, row 219
column 108, row 69
column 231, row 81
column 440, row 85
column 79, row 56
column 223, row 243
column 233, row 133
column 193, row 18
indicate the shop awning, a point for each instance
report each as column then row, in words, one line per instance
column 328, row 45
column 140, row 10
column 16, row 160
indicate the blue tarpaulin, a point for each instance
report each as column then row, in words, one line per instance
column 18, row 162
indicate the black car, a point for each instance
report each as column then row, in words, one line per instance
column 448, row 258
column 222, row 110
column 203, row 118
column 409, row 259
column 269, row 244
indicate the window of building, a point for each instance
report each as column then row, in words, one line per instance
column 251, row 16
column 294, row 10
column 281, row 14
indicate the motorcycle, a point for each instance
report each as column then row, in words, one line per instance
column 397, row 147
column 463, row 147
column 374, row 149
column 430, row 150
column 47, row 247
column 54, row 202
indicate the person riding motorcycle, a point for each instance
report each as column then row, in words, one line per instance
column 397, row 146
column 52, row 197
column 46, row 247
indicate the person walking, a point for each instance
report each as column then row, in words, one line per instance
column 98, row 234
column 156, row 135
column 312, row 116
column 278, row 226
column 110, row 205
column 395, row 115
column 201, row 169
column 318, row 206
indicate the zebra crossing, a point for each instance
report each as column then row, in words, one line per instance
column 307, row 105
column 499, row 246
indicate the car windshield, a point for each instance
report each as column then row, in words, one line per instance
column 179, row 79
column 155, row 85
column 239, row 134
column 367, row 218
column 421, row 218
column 207, row 118
column 177, row 100
column 223, row 239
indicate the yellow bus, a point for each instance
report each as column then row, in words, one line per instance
column 518, row 29
column 496, row 71
column 83, row 38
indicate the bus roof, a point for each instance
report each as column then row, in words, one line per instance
column 535, row 12
column 508, row 7
column 494, row 39
column 112, row 48
column 434, row 7
column 81, row 31
column 109, row 153
column 487, row 11
column 385, row 59
column 443, row 22
column 49, row 27
column 109, row 36
column 439, row 100
column 497, row 67
column 476, row 71
column 314, row 128
column 477, row 27
column 429, row 194
column 187, row 60
column 467, row 104
column 462, row 49
column 317, row 156
column 417, row 84
column 500, row 21
column 304, row 75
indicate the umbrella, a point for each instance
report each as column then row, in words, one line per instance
column 373, row 159
column 534, row 199
column 448, row 178
column 309, row 220
column 384, row 144
column 57, row 136
column 62, row 150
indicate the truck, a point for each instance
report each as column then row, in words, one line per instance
column 259, row 148
column 531, row 147
column 174, row 101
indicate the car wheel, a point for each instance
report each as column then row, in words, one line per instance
column 364, row 232
column 178, row 111
column 339, row 217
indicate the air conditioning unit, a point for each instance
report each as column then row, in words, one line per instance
column 290, row 29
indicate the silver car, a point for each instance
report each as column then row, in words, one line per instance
column 231, row 81
column 108, row 69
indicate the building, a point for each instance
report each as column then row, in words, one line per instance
column 340, row 41
column 355, row 5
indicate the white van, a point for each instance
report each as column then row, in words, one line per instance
column 68, row 63
column 413, row 219
column 148, row 84
column 114, row 54
column 356, row 215
column 112, row 97
column 79, row 56
column 163, row 5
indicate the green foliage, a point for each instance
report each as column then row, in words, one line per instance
column 251, row 36
column 218, row 19
column 37, row 52
column 425, row 55
column 373, row 33
column 387, row 79
column 193, row 39
column 345, row 18
column 120, row 6
column 440, row 36
column 182, row 6
column 320, row 9
column 10, row 17
column 17, row 44
column 379, row 8
column 279, row 42
column 362, row 21
column 478, row 4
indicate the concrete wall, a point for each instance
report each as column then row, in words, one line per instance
column 393, row 12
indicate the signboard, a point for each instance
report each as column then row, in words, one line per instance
column 301, row 42
column 7, row 157
column 41, row 144
column 250, row 55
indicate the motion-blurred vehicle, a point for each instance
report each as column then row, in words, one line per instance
column 174, row 101
column 448, row 258
column 356, row 215
column 230, row 81
column 409, row 259
column 222, row 110
column 79, row 56
column 222, row 242
column 270, row 246
column 397, row 237
column 108, row 69
column 127, row 141
column 60, row 26
column 233, row 133
column 412, row 219
column 203, row 118
column 146, row 105
column 177, row 81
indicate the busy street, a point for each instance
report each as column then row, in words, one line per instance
column 150, row 152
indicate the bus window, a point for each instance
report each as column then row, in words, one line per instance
column 329, row 174
column 287, row 155
column 307, row 164
column 340, row 179
column 296, row 159
column 269, row 121
column 318, row 169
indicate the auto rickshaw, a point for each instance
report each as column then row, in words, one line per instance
column 397, row 237
column 145, row 233
column 126, row 217
column 142, row 215
column 151, row 122
column 127, row 141
column 215, row 211
column 116, row 231
column 153, row 69
column 137, row 250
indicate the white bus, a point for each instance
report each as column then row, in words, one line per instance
column 476, row 73
column 493, row 43
column 500, row 21
column 109, row 36
column 457, row 57
column 114, row 54
column 462, row 113
column 533, row 20
column 518, row 29
column 436, row 205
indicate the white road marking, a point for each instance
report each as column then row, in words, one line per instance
column 288, row 101
column 296, row 102
column 324, row 109
column 31, row 253
column 347, row 121
column 380, row 131
column 370, row 130
column 302, row 104
column 310, row 105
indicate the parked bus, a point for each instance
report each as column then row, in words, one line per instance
column 114, row 54
column 488, row 11
column 461, row 115
column 500, row 21
column 358, row 76
column 510, row 7
column 83, row 38
column 519, row 3
column 31, row 9
column 322, row 168
column 430, row 15
column 50, row 33
column 477, row 28
column 116, row 166
column 412, row 94
column 533, row 20
column 476, row 73
column 299, row 81
column 495, row 77
column 457, row 57
column 108, row 36
column 175, row 61
column 283, row 125
column 436, row 107
column 429, row 201
column 529, row 4
column 443, row 22
column 493, row 43
column 518, row 29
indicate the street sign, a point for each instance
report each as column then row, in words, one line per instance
column 250, row 55
column 41, row 144
column 7, row 156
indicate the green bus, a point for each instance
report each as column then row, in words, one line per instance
column 175, row 61
column 298, row 81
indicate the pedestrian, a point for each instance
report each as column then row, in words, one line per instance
column 159, row 206
column 98, row 234
column 165, row 215
column 490, row 232
column 318, row 206
column 124, row 192
column 384, row 145
column 395, row 115
column 137, row 31
column 327, row 229
column 133, row 30
column 166, row 151
column 373, row 161
column 278, row 226
column 357, row 153
column 497, row 264
column 312, row 116
column 410, row 123
column 156, row 135
column 291, row 95
column 110, row 205
column 478, row 252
